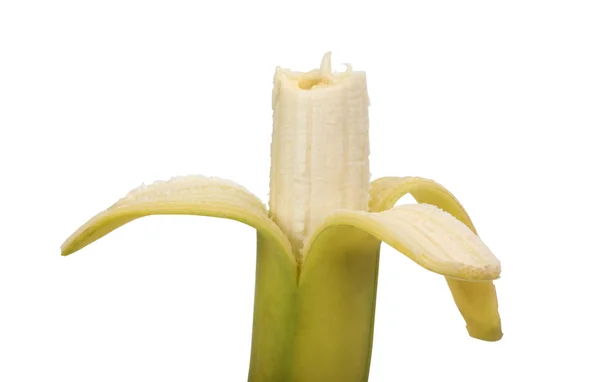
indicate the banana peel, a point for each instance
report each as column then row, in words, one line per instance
column 310, row 318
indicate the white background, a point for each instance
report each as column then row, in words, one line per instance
column 498, row 101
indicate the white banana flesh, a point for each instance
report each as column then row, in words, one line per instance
column 320, row 148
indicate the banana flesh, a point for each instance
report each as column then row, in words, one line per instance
column 319, row 149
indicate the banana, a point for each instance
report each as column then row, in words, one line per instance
column 318, row 243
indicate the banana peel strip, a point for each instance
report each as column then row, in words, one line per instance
column 429, row 236
column 186, row 195
column 476, row 301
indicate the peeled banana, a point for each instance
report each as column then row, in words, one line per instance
column 318, row 242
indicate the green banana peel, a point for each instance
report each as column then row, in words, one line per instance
column 275, row 313
column 321, row 312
